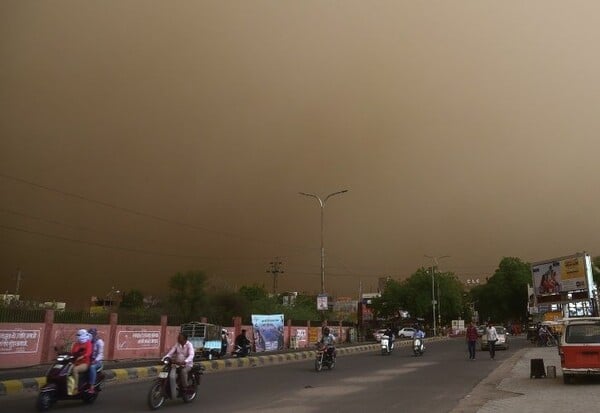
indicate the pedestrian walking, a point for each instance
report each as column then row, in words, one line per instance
column 472, row 340
column 492, row 337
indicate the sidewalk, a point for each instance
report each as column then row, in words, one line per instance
column 510, row 389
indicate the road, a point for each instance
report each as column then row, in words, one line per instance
column 401, row 382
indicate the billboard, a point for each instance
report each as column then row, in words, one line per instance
column 268, row 332
column 560, row 275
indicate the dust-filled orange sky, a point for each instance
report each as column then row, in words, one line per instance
column 142, row 138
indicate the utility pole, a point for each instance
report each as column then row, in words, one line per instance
column 275, row 270
column 433, row 301
column 18, row 281
column 322, row 203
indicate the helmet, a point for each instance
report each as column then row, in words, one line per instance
column 223, row 331
column 83, row 336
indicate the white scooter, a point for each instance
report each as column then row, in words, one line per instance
column 387, row 345
column 418, row 346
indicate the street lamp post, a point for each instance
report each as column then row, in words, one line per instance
column 433, row 268
column 322, row 205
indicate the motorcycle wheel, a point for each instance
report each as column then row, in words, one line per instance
column 318, row 365
column 43, row 402
column 189, row 395
column 156, row 398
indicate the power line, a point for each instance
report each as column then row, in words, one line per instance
column 148, row 215
column 120, row 248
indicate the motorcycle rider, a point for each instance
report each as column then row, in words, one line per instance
column 328, row 340
column 419, row 334
column 97, row 357
column 182, row 354
column 242, row 342
column 390, row 333
column 82, row 350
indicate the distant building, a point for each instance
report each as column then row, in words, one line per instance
column 54, row 305
column 8, row 299
column 289, row 298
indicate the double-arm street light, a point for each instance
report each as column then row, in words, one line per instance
column 433, row 268
column 322, row 205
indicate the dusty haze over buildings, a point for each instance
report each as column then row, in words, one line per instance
column 142, row 138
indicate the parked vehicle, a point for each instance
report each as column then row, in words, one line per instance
column 161, row 387
column 325, row 357
column 579, row 348
column 205, row 337
column 406, row 332
column 386, row 345
column 418, row 347
column 502, row 342
column 58, row 381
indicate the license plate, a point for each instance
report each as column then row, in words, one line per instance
column 163, row 375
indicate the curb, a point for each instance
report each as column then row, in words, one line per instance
column 12, row 387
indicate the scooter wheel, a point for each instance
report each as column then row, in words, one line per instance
column 43, row 402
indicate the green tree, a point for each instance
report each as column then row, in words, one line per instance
column 414, row 295
column 187, row 293
column 504, row 296
column 224, row 305
column 132, row 300
column 304, row 308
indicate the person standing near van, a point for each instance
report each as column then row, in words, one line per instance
column 492, row 337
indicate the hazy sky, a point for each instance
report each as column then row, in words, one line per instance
column 142, row 138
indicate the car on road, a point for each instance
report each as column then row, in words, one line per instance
column 406, row 332
column 480, row 330
column 377, row 334
column 502, row 342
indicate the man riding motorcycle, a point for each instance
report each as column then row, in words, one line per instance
column 328, row 340
column 182, row 354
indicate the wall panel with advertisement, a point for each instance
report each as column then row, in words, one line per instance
column 562, row 280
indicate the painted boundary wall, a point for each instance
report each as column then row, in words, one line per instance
column 29, row 344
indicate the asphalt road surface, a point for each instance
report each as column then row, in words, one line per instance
column 401, row 382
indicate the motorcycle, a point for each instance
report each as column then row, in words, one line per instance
column 325, row 357
column 161, row 387
column 241, row 351
column 418, row 347
column 59, row 381
column 386, row 347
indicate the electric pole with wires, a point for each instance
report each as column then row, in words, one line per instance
column 275, row 270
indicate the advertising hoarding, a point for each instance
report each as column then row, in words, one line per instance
column 268, row 332
column 554, row 278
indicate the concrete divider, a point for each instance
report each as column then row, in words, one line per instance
column 11, row 387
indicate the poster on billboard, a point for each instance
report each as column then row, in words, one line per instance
column 268, row 332
column 559, row 275
column 322, row 302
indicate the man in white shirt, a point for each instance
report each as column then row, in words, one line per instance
column 182, row 355
column 492, row 337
